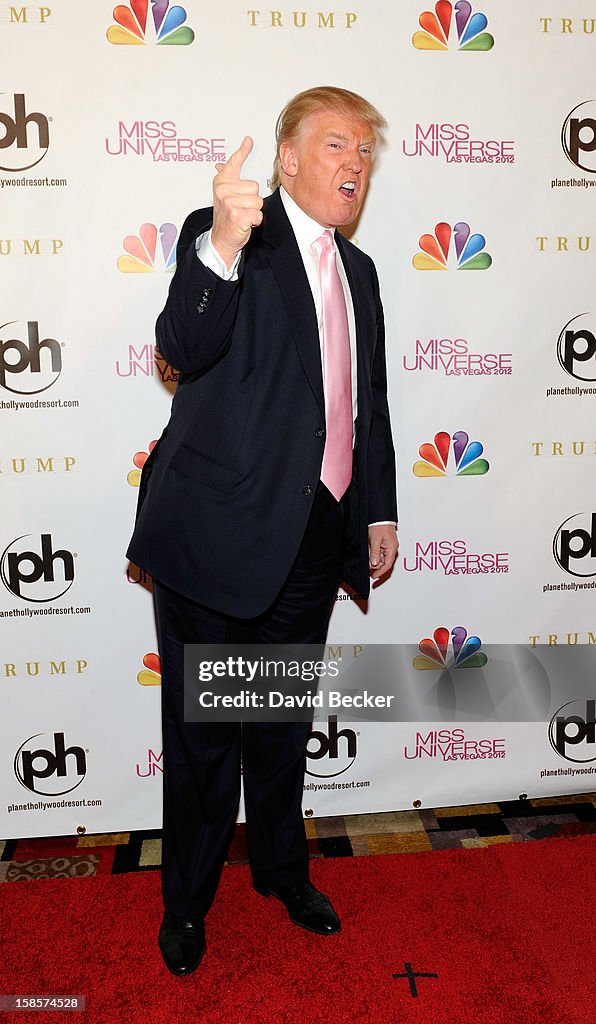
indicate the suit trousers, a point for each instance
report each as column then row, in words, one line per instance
column 203, row 761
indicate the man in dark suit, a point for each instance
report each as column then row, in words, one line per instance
column 274, row 479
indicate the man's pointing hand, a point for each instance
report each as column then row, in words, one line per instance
column 236, row 205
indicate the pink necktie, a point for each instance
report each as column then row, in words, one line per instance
column 336, row 471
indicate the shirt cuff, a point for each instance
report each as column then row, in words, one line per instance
column 210, row 257
column 384, row 522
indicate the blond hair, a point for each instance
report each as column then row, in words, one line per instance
column 311, row 101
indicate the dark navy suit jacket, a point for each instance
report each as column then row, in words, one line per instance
column 227, row 491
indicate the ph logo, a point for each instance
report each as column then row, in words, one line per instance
column 576, row 349
column 574, row 731
column 31, row 576
column 28, row 367
column 321, row 745
column 578, row 136
column 574, row 545
column 50, row 772
column 26, row 137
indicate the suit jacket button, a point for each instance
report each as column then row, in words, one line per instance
column 307, row 490
column 319, row 432
column 201, row 307
column 206, row 293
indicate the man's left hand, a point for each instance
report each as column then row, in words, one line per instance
column 383, row 546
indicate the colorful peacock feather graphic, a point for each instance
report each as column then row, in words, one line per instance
column 436, row 654
column 435, row 249
column 139, row 459
column 466, row 456
column 442, row 30
column 166, row 26
column 141, row 250
column 150, row 675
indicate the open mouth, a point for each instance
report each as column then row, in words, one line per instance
column 348, row 189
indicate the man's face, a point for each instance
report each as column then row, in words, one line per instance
column 327, row 167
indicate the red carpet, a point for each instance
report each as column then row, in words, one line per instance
column 510, row 931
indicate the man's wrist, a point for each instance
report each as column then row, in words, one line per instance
column 228, row 256
column 212, row 259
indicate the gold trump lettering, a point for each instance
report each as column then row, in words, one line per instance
column 51, row 464
column 568, row 26
column 31, row 247
column 301, row 19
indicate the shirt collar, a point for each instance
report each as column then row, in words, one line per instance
column 304, row 227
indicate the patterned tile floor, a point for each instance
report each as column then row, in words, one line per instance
column 353, row 835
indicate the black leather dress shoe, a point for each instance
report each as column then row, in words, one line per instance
column 182, row 943
column 306, row 906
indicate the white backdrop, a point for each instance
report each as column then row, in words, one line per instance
column 108, row 135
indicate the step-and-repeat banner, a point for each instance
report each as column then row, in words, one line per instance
column 480, row 219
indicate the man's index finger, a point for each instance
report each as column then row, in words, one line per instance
column 233, row 166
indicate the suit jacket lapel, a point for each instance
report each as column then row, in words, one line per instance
column 286, row 263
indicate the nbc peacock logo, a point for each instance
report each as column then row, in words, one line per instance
column 150, row 674
column 452, row 246
column 134, row 27
column 141, row 253
column 138, row 460
column 447, row 650
column 466, row 459
column 453, row 27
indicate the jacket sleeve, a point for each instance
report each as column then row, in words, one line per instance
column 194, row 330
column 382, row 500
